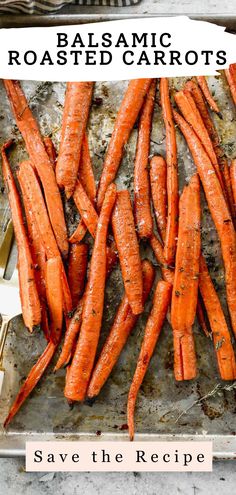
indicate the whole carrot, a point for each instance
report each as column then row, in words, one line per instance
column 77, row 267
column 83, row 359
column 185, row 288
column 172, row 173
column 158, row 174
column 31, row 309
column 50, row 149
column 124, row 123
column 86, row 208
column 54, row 298
column 128, row 250
column 210, row 100
column 39, row 157
column 75, row 115
column 142, row 208
column 123, row 323
column 31, row 381
column 152, row 331
column 231, row 79
column 219, row 211
column 220, row 332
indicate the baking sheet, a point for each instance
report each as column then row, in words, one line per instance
column 165, row 409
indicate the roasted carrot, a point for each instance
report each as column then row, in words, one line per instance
column 54, row 297
column 75, row 116
column 158, row 174
column 83, row 359
column 219, row 152
column 124, row 123
column 86, row 208
column 77, row 267
column 50, row 149
column 123, row 323
column 220, row 332
column 201, row 317
column 70, row 336
column 152, row 331
column 219, row 211
column 185, row 288
column 231, row 79
column 31, row 381
column 128, row 250
column 31, row 309
column 209, row 98
column 142, row 207
column 192, row 115
column 39, row 157
column 79, row 233
column 172, row 174
column 86, row 175
column 233, row 178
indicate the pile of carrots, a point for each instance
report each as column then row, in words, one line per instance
column 64, row 294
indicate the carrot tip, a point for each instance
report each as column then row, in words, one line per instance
column 220, row 116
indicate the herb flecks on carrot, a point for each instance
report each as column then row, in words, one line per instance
column 54, row 298
column 123, row 323
column 40, row 159
column 31, row 309
column 51, row 150
column 124, row 123
column 76, row 111
column 152, row 331
column 84, row 356
column 128, row 250
column 158, row 172
column 142, row 207
column 77, row 267
column 185, row 288
column 172, row 174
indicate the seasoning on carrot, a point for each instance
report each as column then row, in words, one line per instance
column 142, row 207
column 128, row 250
column 83, row 359
column 54, row 297
column 219, row 152
column 220, row 332
column 75, row 116
column 77, row 267
column 123, row 323
column 219, row 211
column 31, row 309
column 185, row 288
column 124, row 123
column 172, row 174
column 50, row 149
column 209, row 98
column 231, row 79
column 39, row 157
column 158, row 174
column 152, row 331
column 31, row 381
column 79, row 233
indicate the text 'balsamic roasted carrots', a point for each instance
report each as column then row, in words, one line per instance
column 185, row 289
column 209, row 98
column 83, row 360
column 125, row 120
column 128, row 250
column 230, row 74
column 219, row 211
column 158, row 172
column 54, row 298
column 172, row 174
column 123, row 323
column 40, row 159
column 152, row 331
column 31, row 381
column 220, row 332
column 76, row 111
column 31, row 309
column 77, row 268
column 142, row 207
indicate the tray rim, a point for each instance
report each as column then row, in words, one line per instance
column 12, row 444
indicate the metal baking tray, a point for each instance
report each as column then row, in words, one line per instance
column 203, row 409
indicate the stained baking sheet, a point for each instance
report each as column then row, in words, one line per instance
column 200, row 409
